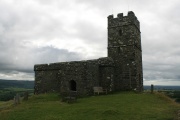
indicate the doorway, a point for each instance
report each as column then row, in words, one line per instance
column 72, row 85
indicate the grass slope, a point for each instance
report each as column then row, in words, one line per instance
column 121, row 106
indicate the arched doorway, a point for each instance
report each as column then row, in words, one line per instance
column 72, row 85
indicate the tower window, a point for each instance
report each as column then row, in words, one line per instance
column 120, row 32
column 119, row 49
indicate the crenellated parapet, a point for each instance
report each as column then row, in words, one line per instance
column 123, row 20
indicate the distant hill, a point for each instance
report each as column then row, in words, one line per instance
column 16, row 83
column 161, row 87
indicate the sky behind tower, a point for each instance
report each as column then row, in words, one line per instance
column 48, row 31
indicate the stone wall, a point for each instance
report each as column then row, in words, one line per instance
column 86, row 75
column 124, row 47
column 106, row 73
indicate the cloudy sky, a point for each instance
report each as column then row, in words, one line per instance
column 47, row 31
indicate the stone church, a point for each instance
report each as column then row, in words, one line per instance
column 121, row 70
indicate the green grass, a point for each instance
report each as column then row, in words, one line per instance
column 5, row 105
column 120, row 106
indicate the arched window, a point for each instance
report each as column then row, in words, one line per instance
column 72, row 85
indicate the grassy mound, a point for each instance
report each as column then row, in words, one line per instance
column 121, row 106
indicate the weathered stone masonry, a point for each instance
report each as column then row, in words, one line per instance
column 79, row 76
column 121, row 70
column 124, row 47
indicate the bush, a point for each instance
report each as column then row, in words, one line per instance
column 7, row 95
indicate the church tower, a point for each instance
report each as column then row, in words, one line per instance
column 124, row 47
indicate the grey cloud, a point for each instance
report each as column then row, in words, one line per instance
column 93, row 35
column 23, row 24
column 22, row 59
column 49, row 54
column 28, row 22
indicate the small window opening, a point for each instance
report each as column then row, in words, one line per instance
column 120, row 32
column 119, row 50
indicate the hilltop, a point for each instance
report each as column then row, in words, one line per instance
column 119, row 106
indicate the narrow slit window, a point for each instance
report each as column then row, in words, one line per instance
column 120, row 32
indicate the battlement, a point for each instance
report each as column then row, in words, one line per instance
column 120, row 15
column 121, row 20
